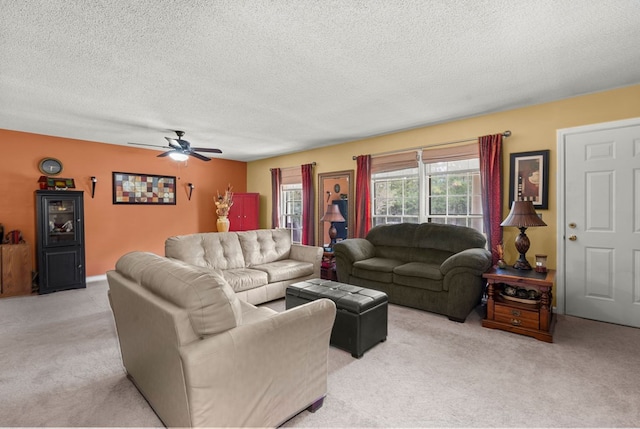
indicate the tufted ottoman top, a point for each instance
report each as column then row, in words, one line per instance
column 354, row 299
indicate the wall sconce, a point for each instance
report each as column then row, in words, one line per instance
column 94, row 180
column 191, row 186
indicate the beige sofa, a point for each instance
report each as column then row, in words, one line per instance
column 258, row 265
column 204, row 358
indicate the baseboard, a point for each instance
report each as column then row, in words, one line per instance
column 99, row 278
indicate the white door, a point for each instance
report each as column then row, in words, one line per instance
column 602, row 222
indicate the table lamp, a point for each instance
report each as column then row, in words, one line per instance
column 523, row 215
column 332, row 214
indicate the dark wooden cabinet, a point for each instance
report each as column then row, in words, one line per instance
column 60, row 240
column 244, row 215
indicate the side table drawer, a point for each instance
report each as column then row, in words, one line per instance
column 517, row 316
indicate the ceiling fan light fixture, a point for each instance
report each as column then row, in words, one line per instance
column 178, row 156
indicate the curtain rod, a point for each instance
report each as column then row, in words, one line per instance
column 313, row 163
column 505, row 134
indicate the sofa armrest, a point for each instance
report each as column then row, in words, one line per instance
column 354, row 249
column 301, row 252
column 277, row 367
column 349, row 251
column 476, row 260
column 313, row 254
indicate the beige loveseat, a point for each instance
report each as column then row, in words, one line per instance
column 204, row 358
column 258, row 265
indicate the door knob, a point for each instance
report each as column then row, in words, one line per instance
column 573, row 238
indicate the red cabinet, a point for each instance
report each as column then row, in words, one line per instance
column 244, row 214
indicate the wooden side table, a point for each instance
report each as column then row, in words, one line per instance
column 15, row 269
column 534, row 319
column 328, row 267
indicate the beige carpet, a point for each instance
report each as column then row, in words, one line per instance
column 60, row 366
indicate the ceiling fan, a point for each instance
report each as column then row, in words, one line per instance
column 181, row 149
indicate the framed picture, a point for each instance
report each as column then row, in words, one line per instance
column 529, row 179
column 137, row 188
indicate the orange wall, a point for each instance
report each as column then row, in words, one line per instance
column 111, row 230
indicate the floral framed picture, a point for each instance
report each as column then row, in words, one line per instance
column 138, row 188
column 529, row 178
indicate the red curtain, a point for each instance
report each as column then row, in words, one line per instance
column 491, row 180
column 308, row 199
column 275, row 197
column 363, row 196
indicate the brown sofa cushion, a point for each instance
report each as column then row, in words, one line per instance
column 378, row 269
column 420, row 275
column 210, row 302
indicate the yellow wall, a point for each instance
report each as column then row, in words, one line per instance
column 533, row 128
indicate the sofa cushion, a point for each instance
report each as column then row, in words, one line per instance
column 208, row 299
column 378, row 269
column 448, row 238
column 241, row 279
column 217, row 250
column 451, row 238
column 253, row 314
column 262, row 246
column 419, row 269
column 393, row 235
column 419, row 275
column 285, row 269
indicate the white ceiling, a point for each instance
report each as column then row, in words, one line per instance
column 259, row 78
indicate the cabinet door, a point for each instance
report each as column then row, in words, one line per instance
column 60, row 220
column 244, row 213
column 62, row 268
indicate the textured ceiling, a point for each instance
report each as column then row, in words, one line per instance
column 259, row 78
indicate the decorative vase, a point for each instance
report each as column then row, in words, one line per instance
column 223, row 224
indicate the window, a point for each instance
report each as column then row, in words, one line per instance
column 396, row 197
column 444, row 189
column 453, row 193
column 291, row 210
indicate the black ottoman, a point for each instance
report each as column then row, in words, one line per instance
column 361, row 318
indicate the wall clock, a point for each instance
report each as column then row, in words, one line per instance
column 50, row 166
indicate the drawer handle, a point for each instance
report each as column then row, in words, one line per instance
column 515, row 313
column 516, row 322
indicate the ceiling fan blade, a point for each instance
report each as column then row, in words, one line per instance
column 174, row 143
column 197, row 155
column 204, row 149
column 143, row 144
column 166, row 153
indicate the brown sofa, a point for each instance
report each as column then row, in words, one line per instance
column 204, row 358
column 429, row 266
